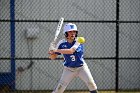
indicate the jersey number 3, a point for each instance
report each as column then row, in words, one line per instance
column 72, row 58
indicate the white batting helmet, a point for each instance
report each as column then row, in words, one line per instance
column 69, row 27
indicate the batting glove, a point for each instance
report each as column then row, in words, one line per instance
column 52, row 46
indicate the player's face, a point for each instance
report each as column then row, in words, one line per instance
column 72, row 34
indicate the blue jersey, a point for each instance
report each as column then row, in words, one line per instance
column 72, row 60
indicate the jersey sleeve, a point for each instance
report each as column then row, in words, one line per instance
column 80, row 48
column 76, row 45
column 58, row 46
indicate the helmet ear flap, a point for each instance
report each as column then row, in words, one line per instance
column 66, row 34
column 76, row 33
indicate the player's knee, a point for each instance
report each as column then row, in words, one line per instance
column 63, row 83
column 92, row 86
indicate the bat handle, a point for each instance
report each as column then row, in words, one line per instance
column 55, row 39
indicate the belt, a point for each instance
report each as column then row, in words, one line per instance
column 75, row 67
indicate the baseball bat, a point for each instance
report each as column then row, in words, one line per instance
column 58, row 28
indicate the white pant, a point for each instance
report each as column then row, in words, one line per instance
column 69, row 73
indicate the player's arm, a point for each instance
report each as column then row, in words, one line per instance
column 68, row 51
column 52, row 55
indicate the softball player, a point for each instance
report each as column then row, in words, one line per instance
column 74, row 63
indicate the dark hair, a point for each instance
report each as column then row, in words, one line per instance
column 66, row 34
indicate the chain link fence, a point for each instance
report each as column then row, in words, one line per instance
column 110, row 27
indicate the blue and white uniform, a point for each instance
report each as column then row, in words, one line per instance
column 74, row 66
column 72, row 60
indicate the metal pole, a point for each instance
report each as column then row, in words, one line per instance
column 117, row 45
column 12, row 32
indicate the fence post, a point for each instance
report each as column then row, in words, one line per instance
column 117, row 45
column 12, row 32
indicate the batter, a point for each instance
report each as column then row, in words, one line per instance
column 74, row 63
